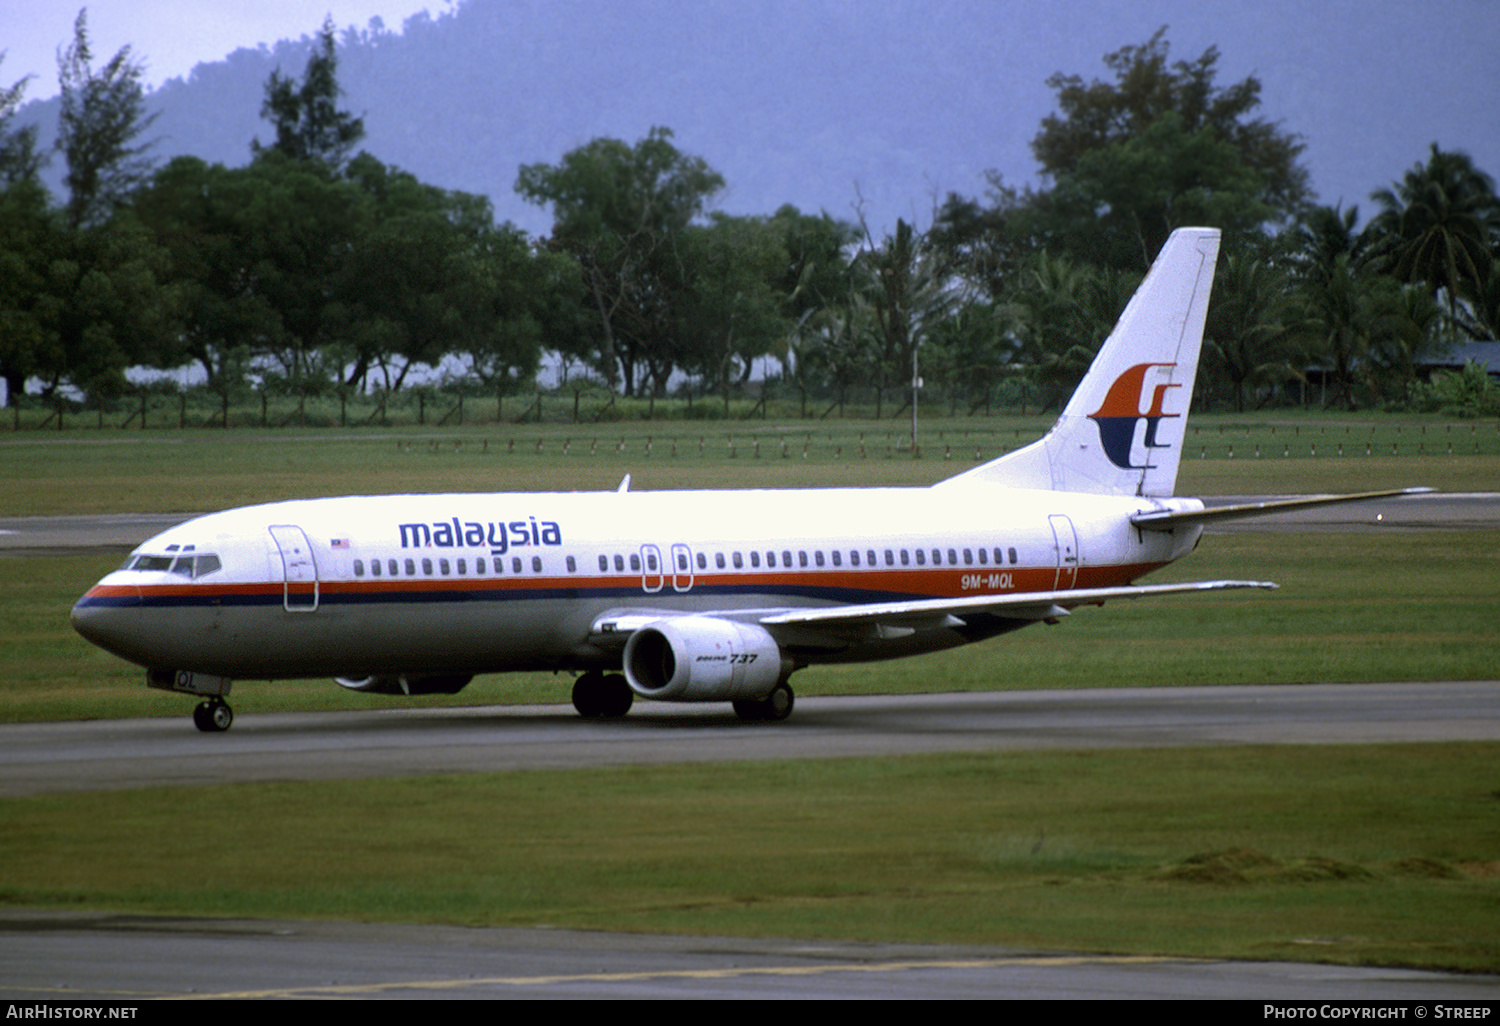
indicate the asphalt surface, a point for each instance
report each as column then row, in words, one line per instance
column 45, row 758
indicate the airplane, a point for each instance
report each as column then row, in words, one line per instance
column 692, row 596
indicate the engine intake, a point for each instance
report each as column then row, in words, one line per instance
column 702, row 659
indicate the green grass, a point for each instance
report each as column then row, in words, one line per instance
column 1382, row 854
column 197, row 470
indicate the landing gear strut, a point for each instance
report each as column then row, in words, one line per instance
column 212, row 715
column 602, row 696
column 774, row 708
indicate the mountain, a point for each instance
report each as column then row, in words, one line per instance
column 814, row 106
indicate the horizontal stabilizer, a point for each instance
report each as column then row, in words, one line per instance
column 1166, row 520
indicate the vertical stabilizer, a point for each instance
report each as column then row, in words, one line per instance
column 1122, row 431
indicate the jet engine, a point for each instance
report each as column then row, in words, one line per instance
column 702, row 659
column 407, row 684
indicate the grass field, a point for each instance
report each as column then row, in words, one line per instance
column 1381, row 855
column 1384, row 855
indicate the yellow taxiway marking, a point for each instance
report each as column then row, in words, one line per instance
column 355, row 989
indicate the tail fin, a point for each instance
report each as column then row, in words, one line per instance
column 1123, row 430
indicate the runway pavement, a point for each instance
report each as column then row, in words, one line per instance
column 43, row 758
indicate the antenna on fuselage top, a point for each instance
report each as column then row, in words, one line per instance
column 624, row 484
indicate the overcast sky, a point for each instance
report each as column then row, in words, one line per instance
column 171, row 35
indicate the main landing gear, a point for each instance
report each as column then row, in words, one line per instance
column 774, row 708
column 607, row 696
column 212, row 715
column 602, row 695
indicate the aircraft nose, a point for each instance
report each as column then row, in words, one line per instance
column 109, row 623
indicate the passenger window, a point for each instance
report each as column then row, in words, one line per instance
column 738, row 562
column 426, row 567
column 870, row 557
column 968, row 557
column 905, row 558
column 374, row 567
column 952, row 558
column 786, row 559
column 921, row 558
column 651, row 562
column 1012, row 557
column 411, row 568
column 854, row 557
column 999, row 559
column 536, row 564
column 983, row 557
column 635, row 562
column 463, row 567
column 359, row 568
column 682, row 562
column 719, row 560
column 619, row 563
column 702, row 561
column 479, row 566
column 818, row 557
column 443, row 567
column 572, row 565
column 770, row 558
column 801, row 558
column 890, row 558
column 515, row 564
column 603, row 564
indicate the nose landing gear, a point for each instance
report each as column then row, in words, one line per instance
column 212, row 715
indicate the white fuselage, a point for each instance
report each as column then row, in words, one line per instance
column 474, row 583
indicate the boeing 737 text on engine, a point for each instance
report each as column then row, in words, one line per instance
column 704, row 596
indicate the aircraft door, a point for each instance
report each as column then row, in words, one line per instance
column 682, row 568
column 651, row 569
column 299, row 568
column 1066, row 541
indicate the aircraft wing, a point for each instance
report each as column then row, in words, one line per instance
column 1032, row 605
column 839, row 625
column 1165, row 520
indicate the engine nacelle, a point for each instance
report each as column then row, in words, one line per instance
column 702, row 659
column 407, row 684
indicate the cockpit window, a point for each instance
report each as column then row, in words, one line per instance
column 185, row 565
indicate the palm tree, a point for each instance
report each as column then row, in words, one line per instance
column 1439, row 225
column 1248, row 323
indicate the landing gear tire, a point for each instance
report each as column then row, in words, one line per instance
column 213, row 716
column 602, row 696
column 774, row 708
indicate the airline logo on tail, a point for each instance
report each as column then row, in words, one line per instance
column 1121, row 410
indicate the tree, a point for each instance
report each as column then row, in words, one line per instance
column 1439, row 225
column 902, row 293
column 103, row 116
column 620, row 211
column 1120, row 202
column 309, row 124
column 1098, row 115
column 1249, row 319
column 19, row 159
column 732, row 311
